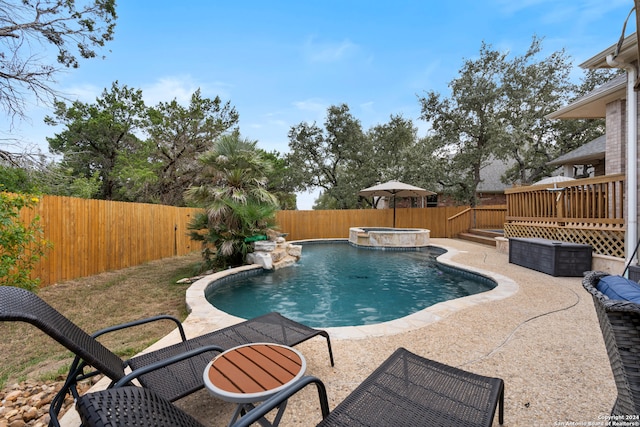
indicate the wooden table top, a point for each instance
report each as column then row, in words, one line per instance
column 253, row 372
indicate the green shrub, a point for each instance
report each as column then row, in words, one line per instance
column 21, row 245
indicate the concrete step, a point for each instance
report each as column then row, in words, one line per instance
column 487, row 233
column 485, row 240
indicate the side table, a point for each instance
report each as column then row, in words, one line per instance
column 252, row 373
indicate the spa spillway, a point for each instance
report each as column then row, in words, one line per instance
column 386, row 237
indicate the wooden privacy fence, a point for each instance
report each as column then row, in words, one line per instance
column 93, row 236
column 589, row 211
column 328, row 224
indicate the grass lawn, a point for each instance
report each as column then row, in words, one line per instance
column 93, row 303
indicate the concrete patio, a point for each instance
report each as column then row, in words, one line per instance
column 537, row 332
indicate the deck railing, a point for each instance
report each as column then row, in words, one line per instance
column 486, row 217
column 587, row 211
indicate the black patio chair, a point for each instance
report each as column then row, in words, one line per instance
column 172, row 372
column 406, row 390
column 620, row 325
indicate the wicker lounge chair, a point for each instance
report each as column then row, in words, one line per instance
column 406, row 390
column 620, row 325
column 172, row 372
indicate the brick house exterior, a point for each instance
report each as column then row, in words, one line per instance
column 610, row 102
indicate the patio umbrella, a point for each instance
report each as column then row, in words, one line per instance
column 395, row 189
column 553, row 180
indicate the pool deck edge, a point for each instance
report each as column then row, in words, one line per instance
column 205, row 317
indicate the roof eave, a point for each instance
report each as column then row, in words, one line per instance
column 578, row 109
column 577, row 160
column 628, row 53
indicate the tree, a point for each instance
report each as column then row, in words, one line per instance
column 232, row 188
column 467, row 125
column 390, row 142
column 137, row 174
column 279, row 182
column 425, row 163
column 398, row 154
column 21, row 245
column 330, row 158
column 532, row 89
column 497, row 110
column 178, row 136
column 100, row 138
column 15, row 180
column 74, row 32
column 107, row 139
column 341, row 159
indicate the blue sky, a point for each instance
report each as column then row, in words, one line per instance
column 284, row 62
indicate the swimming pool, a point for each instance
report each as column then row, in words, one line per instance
column 336, row 284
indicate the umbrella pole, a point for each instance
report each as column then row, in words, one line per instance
column 394, row 211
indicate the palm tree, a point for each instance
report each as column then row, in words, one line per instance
column 237, row 204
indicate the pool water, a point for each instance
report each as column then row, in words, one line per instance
column 336, row 284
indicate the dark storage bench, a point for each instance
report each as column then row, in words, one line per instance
column 550, row 256
column 634, row 273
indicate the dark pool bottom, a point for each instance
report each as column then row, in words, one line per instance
column 336, row 284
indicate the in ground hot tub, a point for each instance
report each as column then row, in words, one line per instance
column 387, row 237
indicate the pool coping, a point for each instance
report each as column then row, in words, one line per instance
column 205, row 314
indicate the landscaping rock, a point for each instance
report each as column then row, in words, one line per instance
column 27, row 404
column 294, row 251
column 264, row 246
column 276, row 256
column 261, row 259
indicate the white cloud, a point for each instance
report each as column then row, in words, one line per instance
column 510, row 7
column 566, row 12
column 180, row 88
column 268, row 123
column 329, row 52
column 86, row 93
column 315, row 105
column 167, row 89
column 164, row 89
column 367, row 108
column 279, row 123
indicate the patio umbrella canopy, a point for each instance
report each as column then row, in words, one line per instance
column 553, row 180
column 395, row 189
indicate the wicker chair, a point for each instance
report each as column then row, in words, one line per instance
column 172, row 372
column 620, row 325
column 130, row 406
column 406, row 390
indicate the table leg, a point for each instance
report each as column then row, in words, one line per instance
column 279, row 414
column 244, row 408
column 236, row 414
